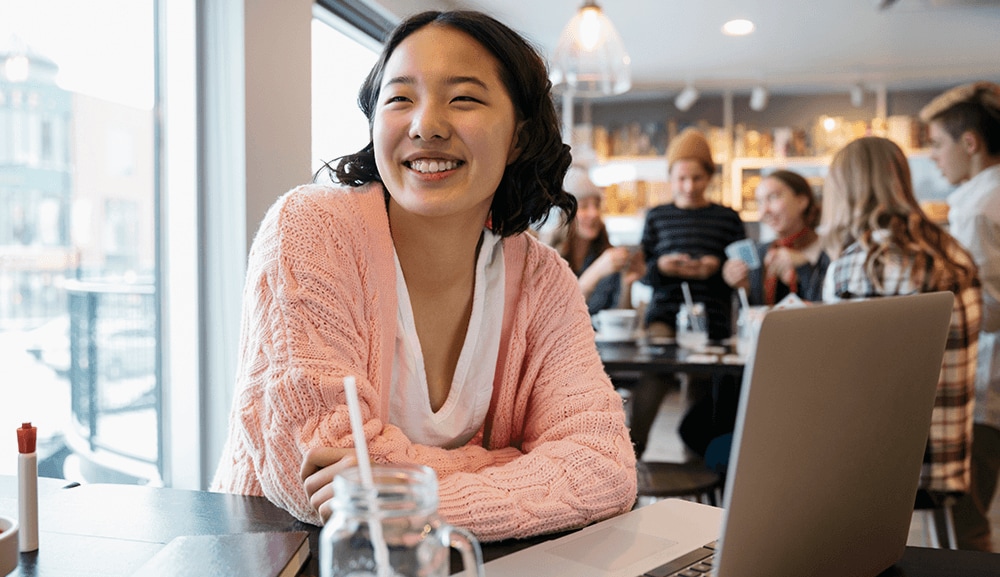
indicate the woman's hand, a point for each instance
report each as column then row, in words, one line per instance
column 635, row 269
column 736, row 273
column 612, row 260
column 320, row 466
column 782, row 262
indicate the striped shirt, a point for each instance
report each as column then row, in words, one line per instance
column 696, row 232
column 946, row 461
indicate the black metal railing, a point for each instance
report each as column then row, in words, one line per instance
column 114, row 377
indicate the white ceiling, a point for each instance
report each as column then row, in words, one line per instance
column 799, row 46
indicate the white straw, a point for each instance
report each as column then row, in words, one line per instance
column 687, row 296
column 382, row 566
column 743, row 299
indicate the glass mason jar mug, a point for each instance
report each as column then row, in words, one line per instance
column 416, row 541
column 747, row 326
column 692, row 327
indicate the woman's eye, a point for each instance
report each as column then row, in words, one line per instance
column 466, row 99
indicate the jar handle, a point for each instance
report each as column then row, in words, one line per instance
column 468, row 546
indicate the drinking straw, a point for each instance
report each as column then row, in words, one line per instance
column 687, row 296
column 382, row 566
column 743, row 299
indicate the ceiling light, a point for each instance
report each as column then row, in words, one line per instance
column 590, row 59
column 758, row 98
column 738, row 27
column 686, row 98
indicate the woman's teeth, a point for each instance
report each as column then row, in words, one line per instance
column 430, row 166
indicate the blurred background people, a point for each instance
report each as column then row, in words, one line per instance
column 685, row 242
column 605, row 272
column 964, row 125
column 795, row 261
column 883, row 245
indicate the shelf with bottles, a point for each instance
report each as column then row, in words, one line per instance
column 929, row 186
column 630, row 162
column 747, row 172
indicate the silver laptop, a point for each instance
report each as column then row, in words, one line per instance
column 830, row 435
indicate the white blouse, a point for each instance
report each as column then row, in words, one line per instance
column 464, row 411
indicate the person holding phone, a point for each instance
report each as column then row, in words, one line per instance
column 685, row 241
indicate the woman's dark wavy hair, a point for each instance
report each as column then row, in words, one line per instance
column 531, row 185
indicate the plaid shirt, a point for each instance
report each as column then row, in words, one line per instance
column 946, row 462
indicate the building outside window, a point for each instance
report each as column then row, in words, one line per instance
column 78, row 335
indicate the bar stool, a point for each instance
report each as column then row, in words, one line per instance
column 691, row 481
column 927, row 505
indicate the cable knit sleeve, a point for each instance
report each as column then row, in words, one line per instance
column 554, row 402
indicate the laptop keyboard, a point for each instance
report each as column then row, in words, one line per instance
column 697, row 563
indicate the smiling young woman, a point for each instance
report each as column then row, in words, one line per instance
column 469, row 340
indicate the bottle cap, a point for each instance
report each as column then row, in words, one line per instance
column 26, row 436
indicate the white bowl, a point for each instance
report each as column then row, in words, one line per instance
column 9, row 552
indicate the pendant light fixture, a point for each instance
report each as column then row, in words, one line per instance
column 590, row 59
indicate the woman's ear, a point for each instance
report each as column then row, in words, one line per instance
column 516, row 147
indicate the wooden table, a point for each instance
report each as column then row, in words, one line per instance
column 111, row 530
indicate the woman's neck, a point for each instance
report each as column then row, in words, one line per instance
column 434, row 252
column 791, row 231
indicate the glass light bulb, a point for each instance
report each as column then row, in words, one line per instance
column 590, row 28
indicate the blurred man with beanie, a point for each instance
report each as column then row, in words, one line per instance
column 684, row 242
column 964, row 126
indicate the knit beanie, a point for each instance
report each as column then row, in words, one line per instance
column 577, row 182
column 690, row 145
column 986, row 94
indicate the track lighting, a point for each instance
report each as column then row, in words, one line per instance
column 758, row 98
column 857, row 96
column 687, row 97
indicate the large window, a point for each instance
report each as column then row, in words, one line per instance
column 341, row 59
column 78, row 305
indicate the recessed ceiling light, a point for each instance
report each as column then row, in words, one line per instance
column 738, row 27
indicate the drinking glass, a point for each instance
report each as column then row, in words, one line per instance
column 692, row 327
column 404, row 502
column 747, row 327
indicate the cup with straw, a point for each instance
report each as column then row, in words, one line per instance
column 382, row 566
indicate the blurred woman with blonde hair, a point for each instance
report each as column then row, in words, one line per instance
column 882, row 244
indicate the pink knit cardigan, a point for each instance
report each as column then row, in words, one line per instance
column 320, row 303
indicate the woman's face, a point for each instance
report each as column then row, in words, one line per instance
column 588, row 217
column 780, row 208
column 688, row 181
column 444, row 126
